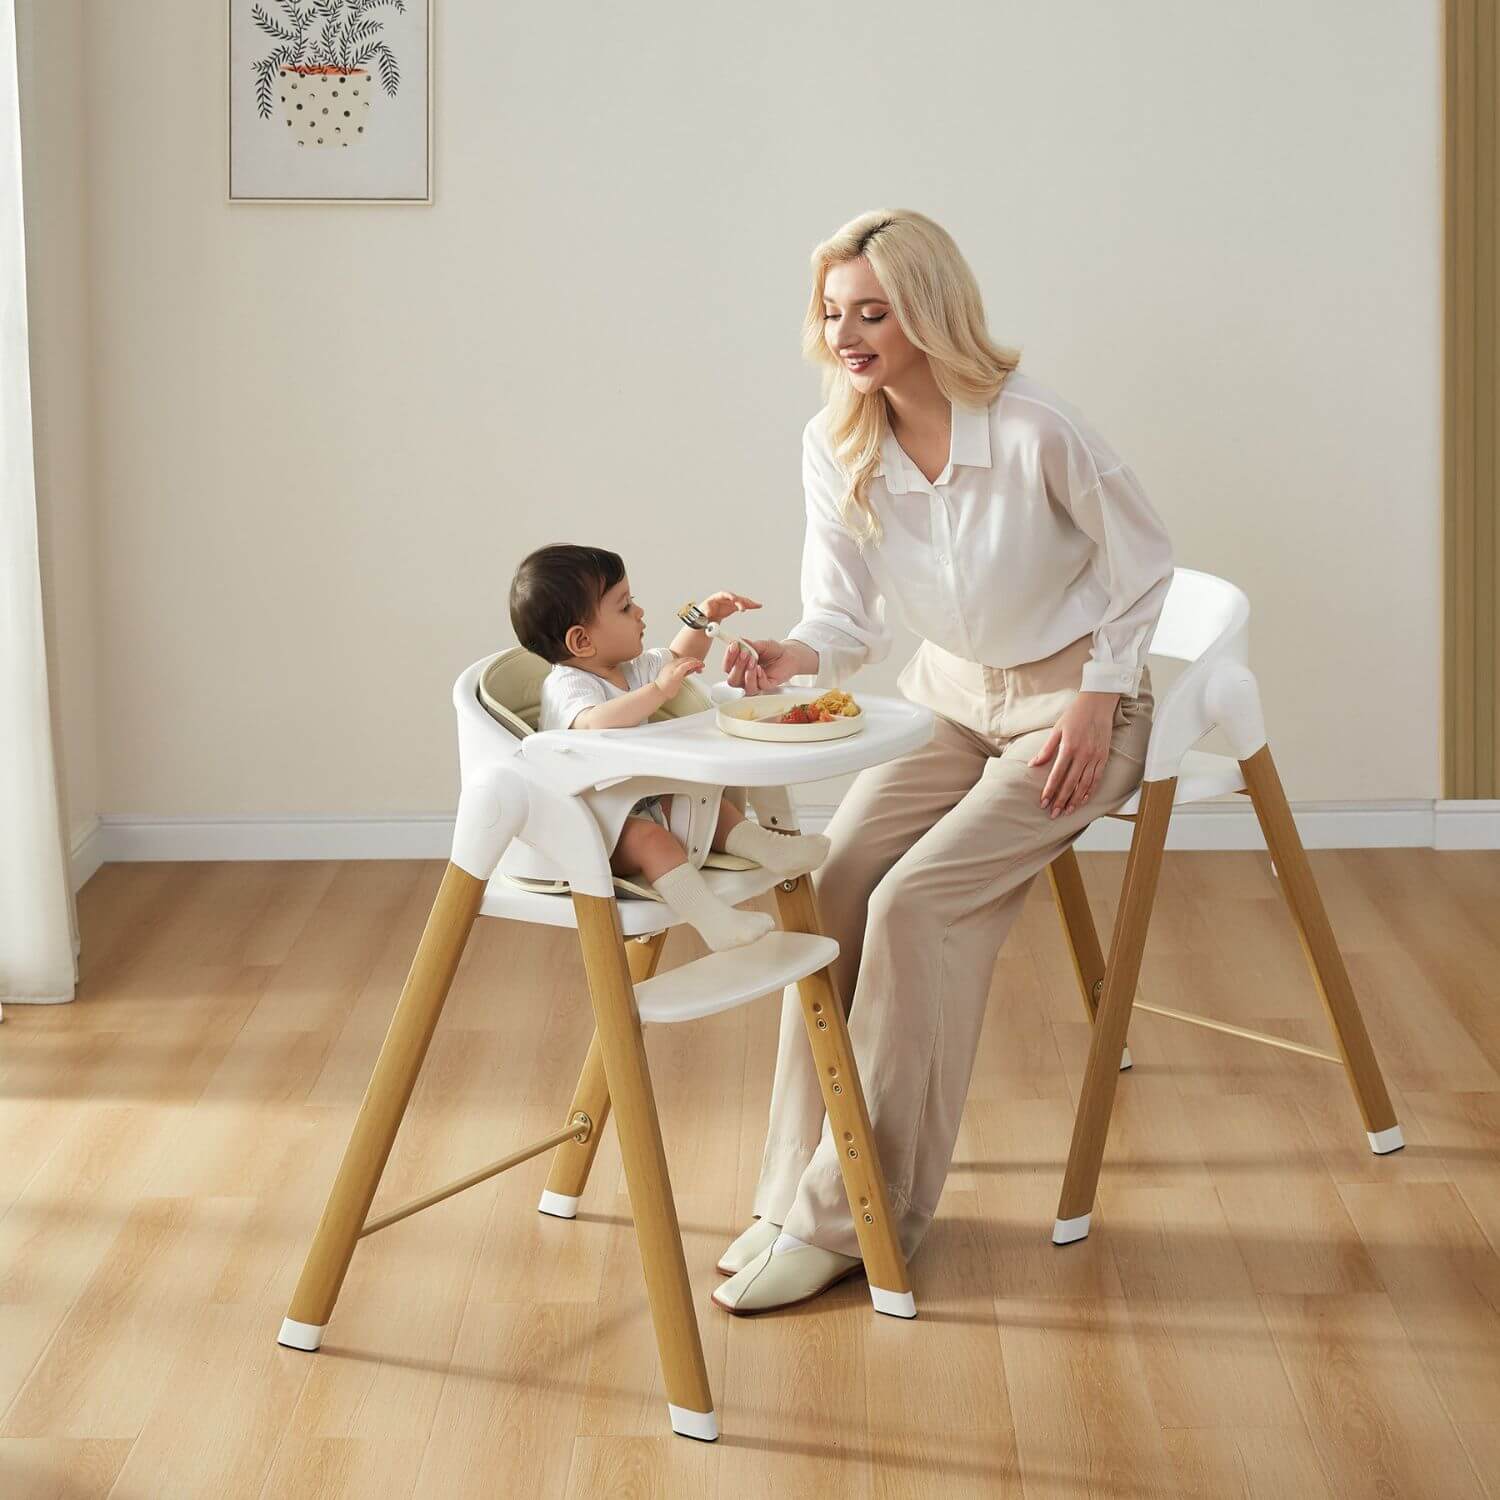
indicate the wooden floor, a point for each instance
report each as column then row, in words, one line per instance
column 1263, row 1308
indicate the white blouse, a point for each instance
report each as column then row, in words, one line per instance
column 1035, row 534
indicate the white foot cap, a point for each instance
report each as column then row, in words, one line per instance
column 1382, row 1142
column 1125, row 1061
column 894, row 1304
column 305, row 1336
column 559, row 1205
column 703, row 1425
column 1065, row 1231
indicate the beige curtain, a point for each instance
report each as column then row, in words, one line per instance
column 37, row 948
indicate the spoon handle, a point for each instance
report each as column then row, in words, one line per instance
column 718, row 631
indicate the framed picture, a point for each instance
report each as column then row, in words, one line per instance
column 330, row 101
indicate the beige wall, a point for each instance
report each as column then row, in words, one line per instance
column 326, row 434
column 49, row 46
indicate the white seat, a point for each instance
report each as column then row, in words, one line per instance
column 1202, row 775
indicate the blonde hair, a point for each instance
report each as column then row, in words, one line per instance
column 936, row 300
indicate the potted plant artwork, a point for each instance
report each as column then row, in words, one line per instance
column 320, row 78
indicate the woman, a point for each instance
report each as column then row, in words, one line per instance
column 1007, row 534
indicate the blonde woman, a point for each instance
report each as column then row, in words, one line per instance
column 998, row 525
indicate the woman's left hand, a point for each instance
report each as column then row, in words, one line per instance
column 721, row 605
column 1080, row 741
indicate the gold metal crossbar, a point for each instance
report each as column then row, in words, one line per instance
column 1249, row 1036
column 579, row 1130
column 1229, row 1030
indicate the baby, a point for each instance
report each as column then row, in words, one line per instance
column 573, row 607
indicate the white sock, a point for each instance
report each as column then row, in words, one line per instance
column 687, row 893
column 783, row 853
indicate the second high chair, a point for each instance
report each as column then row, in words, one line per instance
column 1205, row 623
column 539, row 812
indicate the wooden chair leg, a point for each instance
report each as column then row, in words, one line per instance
column 1097, row 1099
column 1296, row 879
column 573, row 1160
column 848, row 1116
column 657, row 1232
column 1083, row 937
column 384, row 1105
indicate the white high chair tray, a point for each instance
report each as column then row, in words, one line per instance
column 748, row 718
column 693, row 748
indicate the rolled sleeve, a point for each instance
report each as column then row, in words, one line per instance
column 1107, row 677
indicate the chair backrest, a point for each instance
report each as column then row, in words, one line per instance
column 1200, row 609
column 1205, row 622
column 511, row 690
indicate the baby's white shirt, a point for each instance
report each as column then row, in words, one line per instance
column 567, row 691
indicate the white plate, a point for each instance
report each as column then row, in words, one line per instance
column 746, row 719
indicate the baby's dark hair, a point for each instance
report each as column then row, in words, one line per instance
column 556, row 588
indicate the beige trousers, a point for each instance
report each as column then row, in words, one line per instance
column 932, row 857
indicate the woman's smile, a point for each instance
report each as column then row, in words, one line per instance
column 857, row 362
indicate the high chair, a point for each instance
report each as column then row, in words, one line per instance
column 1205, row 622
column 538, row 815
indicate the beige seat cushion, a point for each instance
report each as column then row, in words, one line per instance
column 510, row 688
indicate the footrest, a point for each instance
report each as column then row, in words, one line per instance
column 721, row 981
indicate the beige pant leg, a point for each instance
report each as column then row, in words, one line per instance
column 936, row 922
column 888, row 808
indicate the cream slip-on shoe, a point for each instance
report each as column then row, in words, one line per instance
column 772, row 1281
column 755, row 1239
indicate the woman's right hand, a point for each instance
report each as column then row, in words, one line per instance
column 779, row 662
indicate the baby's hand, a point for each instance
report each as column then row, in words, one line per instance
column 723, row 604
column 675, row 673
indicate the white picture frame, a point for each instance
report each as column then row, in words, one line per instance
column 329, row 101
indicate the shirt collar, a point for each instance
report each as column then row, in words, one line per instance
column 969, row 443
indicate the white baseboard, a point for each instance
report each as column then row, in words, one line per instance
column 1206, row 825
column 308, row 836
column 1466, row 825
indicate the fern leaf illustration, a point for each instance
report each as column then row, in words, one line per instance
column 358, row 37
column 390, row 72
column 270, row 25
column 265, row 80
column 347, row 38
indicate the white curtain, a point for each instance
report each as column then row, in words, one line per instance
column 36, row 918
